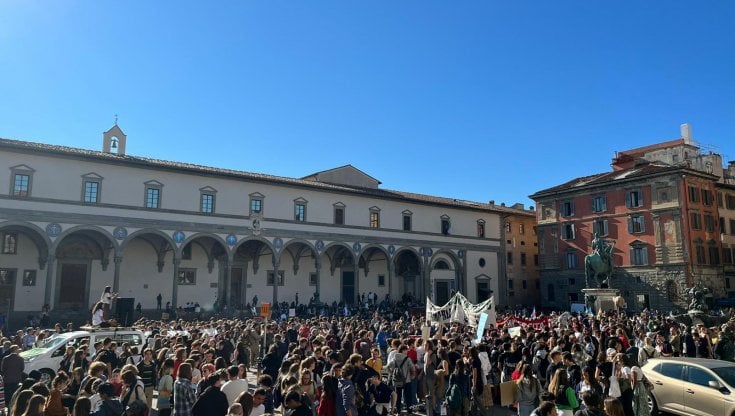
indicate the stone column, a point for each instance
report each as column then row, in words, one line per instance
column 116, row 277
column 357, row 278
column 50, row 262
column 276, row 265
column 318, row 270
column 175, row 288
column 226, row 282
column 390, row 278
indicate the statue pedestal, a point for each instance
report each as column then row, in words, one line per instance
column 601, row 299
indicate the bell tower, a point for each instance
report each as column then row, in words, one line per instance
column 113, row 140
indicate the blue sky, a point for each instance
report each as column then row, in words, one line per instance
column 478, row 100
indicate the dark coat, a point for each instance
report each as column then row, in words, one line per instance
column 211, row 402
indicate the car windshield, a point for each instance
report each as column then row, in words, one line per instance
column 727, row 374
column 49, row 345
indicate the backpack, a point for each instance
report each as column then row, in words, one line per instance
column 454, row 396
column 397, row 375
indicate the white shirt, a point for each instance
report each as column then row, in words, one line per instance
column 258, row 411
column 97, row 317
column 233, row 388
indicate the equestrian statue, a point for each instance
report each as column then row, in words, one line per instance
column 598, row 265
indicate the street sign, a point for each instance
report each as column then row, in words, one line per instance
column 265, row 310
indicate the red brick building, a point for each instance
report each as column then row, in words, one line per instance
column 658, row 205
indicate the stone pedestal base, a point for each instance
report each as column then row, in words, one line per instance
column 601, row 299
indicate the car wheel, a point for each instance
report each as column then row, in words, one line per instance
column 46, row 375
column 652, row 405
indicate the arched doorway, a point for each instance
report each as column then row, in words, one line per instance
column 340, row 257
column 147, row 268
column 202, row 271
column 375, row 263
column 408, row 272
column 299, row 257
column 444, row 275
column 253, row 268
column 82, row 256
column 24, row 253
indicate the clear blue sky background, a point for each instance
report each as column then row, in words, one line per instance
column 475, row 100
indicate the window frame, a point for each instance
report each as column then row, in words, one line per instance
column 566, row 208
column 599, row 203
column 639, row 254
column 13, row 249
column 270, row 276
column 183, row 271
column 256, row 197
column 407, row 215
column 207, row 192
column 300, row 209
column 605, row 226
column 630, row 199
column 445, row 224
column 480, row 228
column 695, row 194
column 338, row 206
column 153, row 186
column 571, row 261
column 374, row 217
column 88, row 179
column 565, row 231
column 636, row 224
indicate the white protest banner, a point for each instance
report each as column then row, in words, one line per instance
column 514, row 332
column 481, row 326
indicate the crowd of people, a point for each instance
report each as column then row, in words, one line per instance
column 356, row 366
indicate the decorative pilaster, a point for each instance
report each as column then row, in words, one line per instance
column 116, row 278
column 276, row 277
column 51, row 260
column 175, row 289
column 318, row 269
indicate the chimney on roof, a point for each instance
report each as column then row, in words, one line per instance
column 686, row 133
column 532, row 208
column 518, row 205
column 502, row 204
column 492, row 202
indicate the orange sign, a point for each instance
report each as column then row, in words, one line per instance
column 265, row 310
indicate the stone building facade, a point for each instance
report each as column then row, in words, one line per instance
column 73, row 221
column 658, row 207
column 521, row 258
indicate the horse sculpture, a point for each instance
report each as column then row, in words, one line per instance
column 598, row 266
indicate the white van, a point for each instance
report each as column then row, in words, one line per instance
column 47, row 357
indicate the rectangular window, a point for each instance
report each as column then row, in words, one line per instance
column 523, row 259
column 696, row 220
column 256, row 205
column 732, row 227
column 206, row 203
column 299, row 212
column 567, row 231
column 21, row 185
column 524, row 283
column 599, row 203
column 730, row 201
column 187, row 277
column 445, row 226
column 10, row 243
column 714, row 256
column 312, row 279
column 381, row 280
column 701, row 258
column 707, row 197
column 339, row 216
column 720, row 200
column 709, row 223
column 269, row 278
column 91, row 192
column 600, row 227
column 570, row 259
column 535, row 259
column 694, row 194
column 572, row 281
column 634, row 199
column 567, row 208
column 29, row 278
column 152, row 198
column 726, row 255
column 636, row 224
column 406, row 222
column 510, row 284
column 521, row 229
column 481, row 229
column 639, row 255
column 7, row 276
column 723, row 230
column 510, row 257
column 507, row 227
column 375, row 219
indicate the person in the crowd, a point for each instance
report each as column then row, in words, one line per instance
column 212, row 401
column 109, row 404
column 183, row 397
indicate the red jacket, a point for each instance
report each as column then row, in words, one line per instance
column 327, row 408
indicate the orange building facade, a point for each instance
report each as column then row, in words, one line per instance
column 521, row 258
column 659, row 208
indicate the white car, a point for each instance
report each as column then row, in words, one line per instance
column 47, row 357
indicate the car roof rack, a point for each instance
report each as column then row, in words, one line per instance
column 90, row 328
